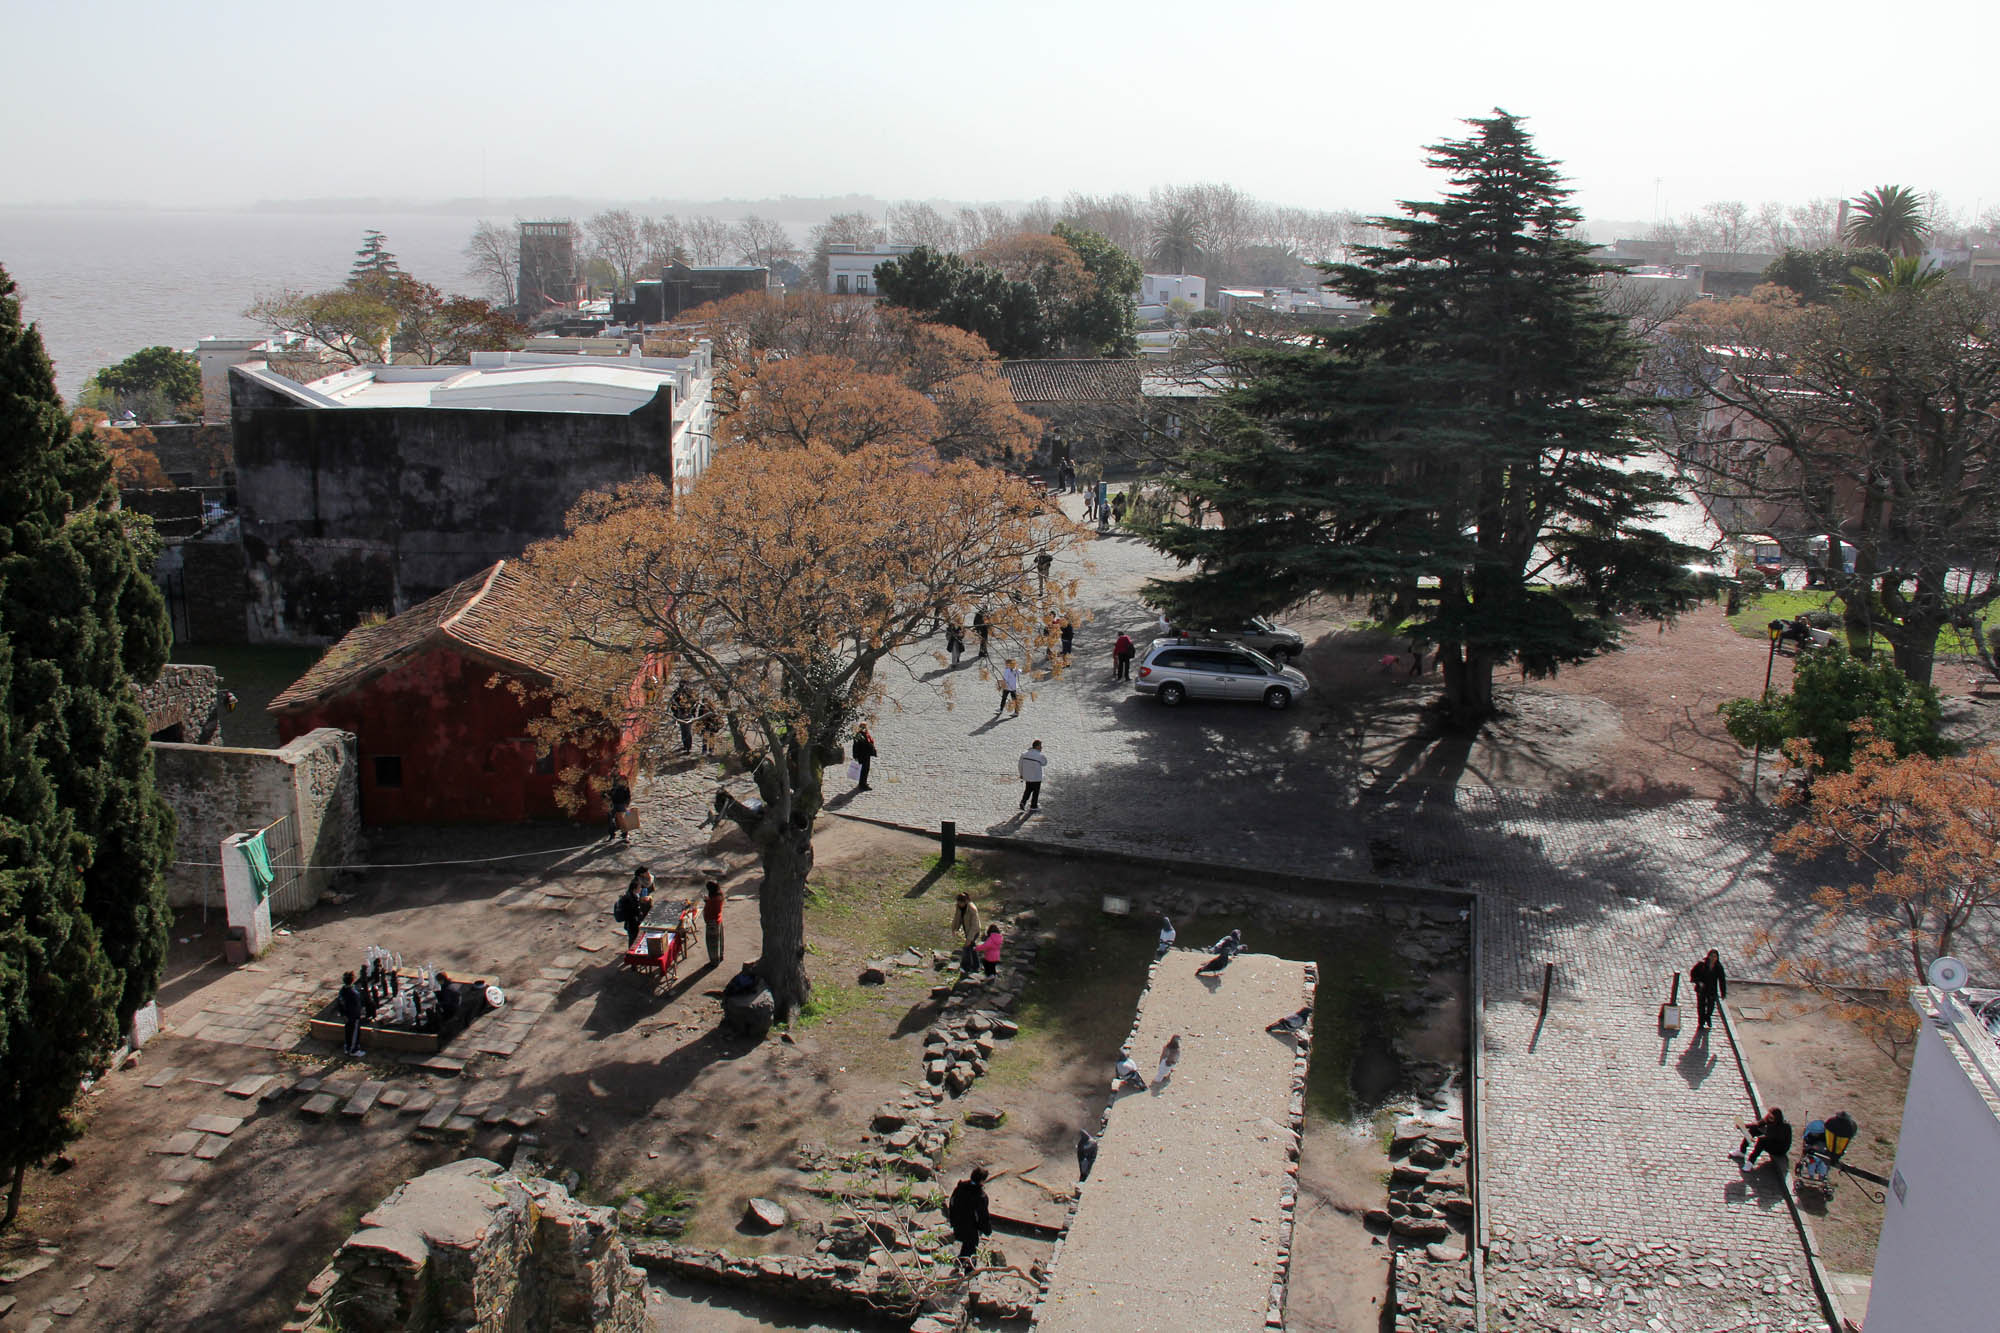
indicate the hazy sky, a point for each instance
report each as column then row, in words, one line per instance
column 1325, row 104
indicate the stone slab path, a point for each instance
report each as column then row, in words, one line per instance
column 1181, row 1224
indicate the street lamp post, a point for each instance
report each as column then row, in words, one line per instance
column 1773, row 631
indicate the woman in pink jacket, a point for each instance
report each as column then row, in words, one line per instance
column 989, row 950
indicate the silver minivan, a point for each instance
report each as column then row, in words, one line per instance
column 1176, row 670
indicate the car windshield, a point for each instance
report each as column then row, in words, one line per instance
column 1258, row 622
column 1266, row 663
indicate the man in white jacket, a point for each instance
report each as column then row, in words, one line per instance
column 1033, row 762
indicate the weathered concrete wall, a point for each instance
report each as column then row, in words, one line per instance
column 470, row 1245
column 216, row 790
column 185, row 701
column 196, row 455
column 347, row 511
column 216, row 592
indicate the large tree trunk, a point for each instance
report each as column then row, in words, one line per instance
column 14, row 1195
column 1468, row 688
column 1914, row 645
column 781, row 906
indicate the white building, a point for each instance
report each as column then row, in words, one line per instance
column 1934, row 1267
column 1158, row 292
column 216, row 356
column 850, row 269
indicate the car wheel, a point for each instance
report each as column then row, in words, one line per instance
column 1277, row 698
column 1172, row 693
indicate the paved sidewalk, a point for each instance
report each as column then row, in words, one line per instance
column 1180, row 1225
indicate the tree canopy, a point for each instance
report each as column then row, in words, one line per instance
column 83, row 835
column 1834, row 692
column 1818, row 276
column 779, row 585
column 1873, row 419
column 1070, row 292
column 1464, row 458
column 153, row 384
column 1891, row 218
column 380, row 319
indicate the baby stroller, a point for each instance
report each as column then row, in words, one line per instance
column 1820, row 1151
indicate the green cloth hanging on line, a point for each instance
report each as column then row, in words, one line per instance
column 259, row 858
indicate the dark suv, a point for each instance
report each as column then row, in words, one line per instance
column 1175, row 670
column 1276, row 642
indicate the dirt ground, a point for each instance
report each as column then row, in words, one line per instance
column 633, row 1089
column 1813, row 1062
column 1639, row 725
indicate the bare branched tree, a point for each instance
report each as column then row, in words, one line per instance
column 493, row 257
column 617, row 238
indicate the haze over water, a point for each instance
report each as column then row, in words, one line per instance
column 102, row 285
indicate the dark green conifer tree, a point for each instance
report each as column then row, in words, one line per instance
column 1459, row 458
column 83, row 835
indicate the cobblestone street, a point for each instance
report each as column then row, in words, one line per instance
column 1612, row 1204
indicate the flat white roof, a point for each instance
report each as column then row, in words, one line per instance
column 589, row 386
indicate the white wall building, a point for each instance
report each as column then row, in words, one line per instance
column 1163, row 289
column 850, row 269
column 216, row 356
column 1934, row 1267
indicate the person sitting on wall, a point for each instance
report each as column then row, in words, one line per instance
column 746, row 982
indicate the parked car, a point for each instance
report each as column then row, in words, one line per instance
column 1176, row 670
column 1254, row 632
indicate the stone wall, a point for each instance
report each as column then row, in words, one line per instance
column 215, row 592
column 348, row 511
column 472, row 1246
column 176, row 514
column 217, row 790
column 196, row 455
column 187, row 703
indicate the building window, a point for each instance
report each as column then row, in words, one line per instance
column 388, row 770
column 840, row 284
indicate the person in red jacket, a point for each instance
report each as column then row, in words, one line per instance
column 1121, row 658
column 711, row 915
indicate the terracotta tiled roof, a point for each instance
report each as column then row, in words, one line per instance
column 1079, row 380
column 498, row 615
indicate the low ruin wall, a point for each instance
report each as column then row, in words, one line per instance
column 217, row 790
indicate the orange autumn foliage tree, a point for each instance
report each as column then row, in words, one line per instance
column 778, row 585
column 829, row 400
column 954, row 369
column 1927, row 834
column 134, row 465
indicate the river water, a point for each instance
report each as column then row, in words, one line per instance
column 101, row 285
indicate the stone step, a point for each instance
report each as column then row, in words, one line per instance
column 439, row 1115
column 319, row 1104
column 363, row 1100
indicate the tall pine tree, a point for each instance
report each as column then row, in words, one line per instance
column 1458, row 458
column 83, row 835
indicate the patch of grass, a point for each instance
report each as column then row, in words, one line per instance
column 830, row 999
column 1784, row 604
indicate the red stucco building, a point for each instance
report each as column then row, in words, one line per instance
column 443, row 739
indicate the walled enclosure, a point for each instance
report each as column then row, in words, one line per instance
column 352, row 510
column 217, row 790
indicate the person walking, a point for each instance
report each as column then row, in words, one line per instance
column 349, row 1003
column 1118, row 508
column 1068, row 635
column 954, row 641
column 621, row 805
column 1121, row 658
column 1043, row 563
column 864, row 755
column 711, row 916
column 632, row 906
column 989, row 950
column 981, row 628
column 1010, row 688
column 1033, row 764
column 969, row 1216
column 965, row 920
column 683, row 708
column 1710, row 986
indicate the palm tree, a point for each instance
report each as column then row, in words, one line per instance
column 1889, row 217
column 1178, row 240
column 1907, row 273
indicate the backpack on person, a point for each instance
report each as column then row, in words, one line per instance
column 621, row 911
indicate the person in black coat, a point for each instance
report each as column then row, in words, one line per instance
column 968, row 1215
column 1770, row 1135
column 1710, row 986
column 864, row 755
column 349, row 1004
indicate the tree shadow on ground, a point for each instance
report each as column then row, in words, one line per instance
column 625, row 999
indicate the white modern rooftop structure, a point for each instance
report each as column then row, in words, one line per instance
column 1934, row 1267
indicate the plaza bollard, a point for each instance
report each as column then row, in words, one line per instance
column 947, row 843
